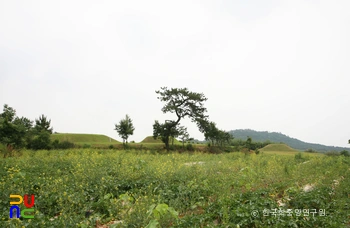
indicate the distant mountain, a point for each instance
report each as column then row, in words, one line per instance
column 276, row 137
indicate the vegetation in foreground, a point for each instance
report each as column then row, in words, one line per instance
column 91, row 188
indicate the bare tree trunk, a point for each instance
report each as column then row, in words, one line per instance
column 167, row 143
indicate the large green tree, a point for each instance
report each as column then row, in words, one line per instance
column 125, row 128
column 42, row 134
column 183, row 103
column 17, row 132
column 215, row 136
column 12, row 128
column 43, row 124
column 26, row 127
column 162, row 131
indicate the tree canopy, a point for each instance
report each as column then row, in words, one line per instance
column 183, row 103
column 43, row 124
column 125, row 128
column 17, row 132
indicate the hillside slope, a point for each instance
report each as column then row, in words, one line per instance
column 84, row 138
column 150, row 139
column 262, row 136
column 278, row 147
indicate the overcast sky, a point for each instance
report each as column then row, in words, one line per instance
column 280, row 66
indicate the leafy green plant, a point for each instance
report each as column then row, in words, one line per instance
column 159, row 212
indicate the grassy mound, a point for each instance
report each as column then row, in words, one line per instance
column 278, row 148
column 84, row 138
column 150, row 139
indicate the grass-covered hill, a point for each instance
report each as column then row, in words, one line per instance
column 150, row 139
column 278, row 147
column 83, row 138
column 262, row 136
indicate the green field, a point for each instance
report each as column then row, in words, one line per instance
column 283, row 149
column 117, row 188
column 84, row 138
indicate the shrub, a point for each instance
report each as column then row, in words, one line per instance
column 333, row 153
column 55, row 144
column 41, row 141
column 85, row 146
column 189, row 147
column 310, row 151
column 66, row 145
column 7, row 151
column 62, row 145
column 214, row 150
column 176, row 147
column 110, row 147
column 345, row 153
column 299, row 157
column 227, row 149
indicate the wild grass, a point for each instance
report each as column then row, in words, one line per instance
column 90, row 187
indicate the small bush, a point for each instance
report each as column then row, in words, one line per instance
column 66, row 145
column 62, row 145
column 310, row 151
column 41, row 142
column 333, row 153
column 345, row 153
column 55, row 144
column 175, row 147
column 110, row 147
column 214, row 150
column 189, row 147
column 227, row 149
column 299, row 157
column 86, row 146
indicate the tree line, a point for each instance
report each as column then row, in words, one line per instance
column 184, row 104
column 19, row 132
